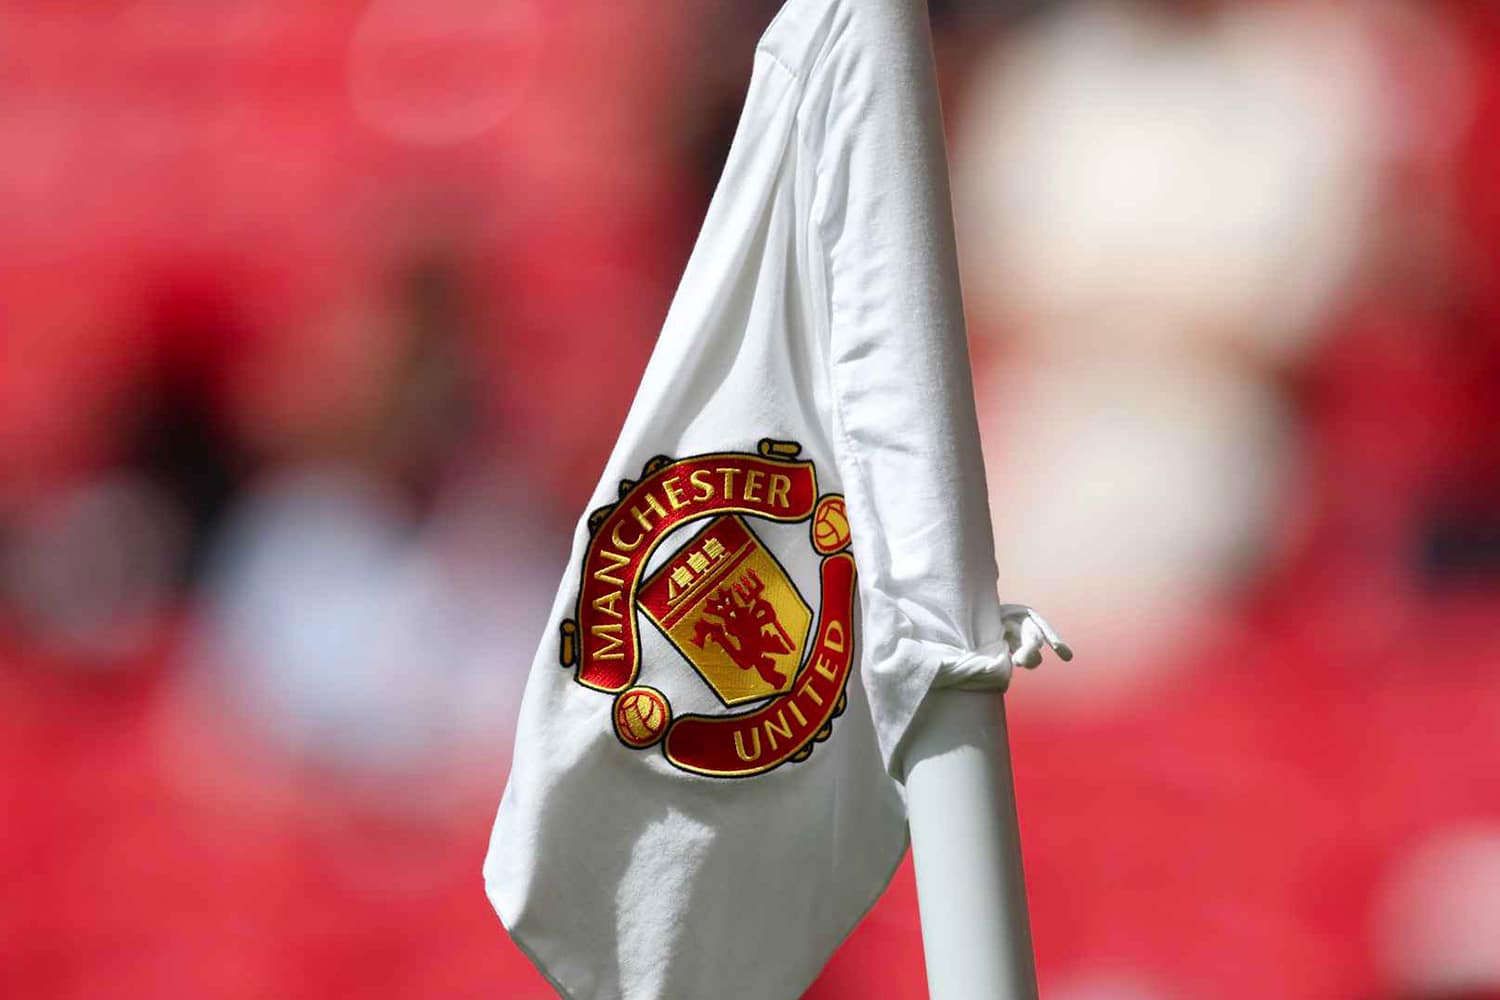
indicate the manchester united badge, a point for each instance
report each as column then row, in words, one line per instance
column 777, row 665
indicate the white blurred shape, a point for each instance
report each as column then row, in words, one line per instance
column 358, row 638
column 1437, row 926
column 1158, row 208
column 1122, row 495
column 441, row 73
column 1129, row 176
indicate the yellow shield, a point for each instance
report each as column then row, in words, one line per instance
column 730, row 608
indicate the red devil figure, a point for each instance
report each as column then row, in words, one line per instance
column 744, row 623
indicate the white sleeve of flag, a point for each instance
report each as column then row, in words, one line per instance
column 904, row 421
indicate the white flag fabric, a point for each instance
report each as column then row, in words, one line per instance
column 789, row 549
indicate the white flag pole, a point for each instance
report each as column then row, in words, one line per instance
column 961, row 800
column 971, row 889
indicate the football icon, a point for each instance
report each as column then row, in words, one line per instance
column 641, row 716
column 830, row 528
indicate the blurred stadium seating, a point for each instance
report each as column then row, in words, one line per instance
column 316, row 321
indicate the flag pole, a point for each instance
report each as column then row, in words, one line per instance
column 971, row 889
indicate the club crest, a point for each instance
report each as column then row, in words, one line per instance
column 726, row 603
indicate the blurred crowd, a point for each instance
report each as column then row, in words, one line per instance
column 316, row 324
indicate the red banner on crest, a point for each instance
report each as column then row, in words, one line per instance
column 682, row 491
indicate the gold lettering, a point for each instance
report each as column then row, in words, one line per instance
column 605, row 604
column 728, row 475
column 614, row 536
column 772, row 729
column 739, row 745
column 674, row 493
column 780, row 487
column 616, row 560
column 753, row 479
column 822, row 667
column 801, row 719
column 613, row 644
column 705, row 488
column 835, row 628
column 640, row 515
column 812, row 692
